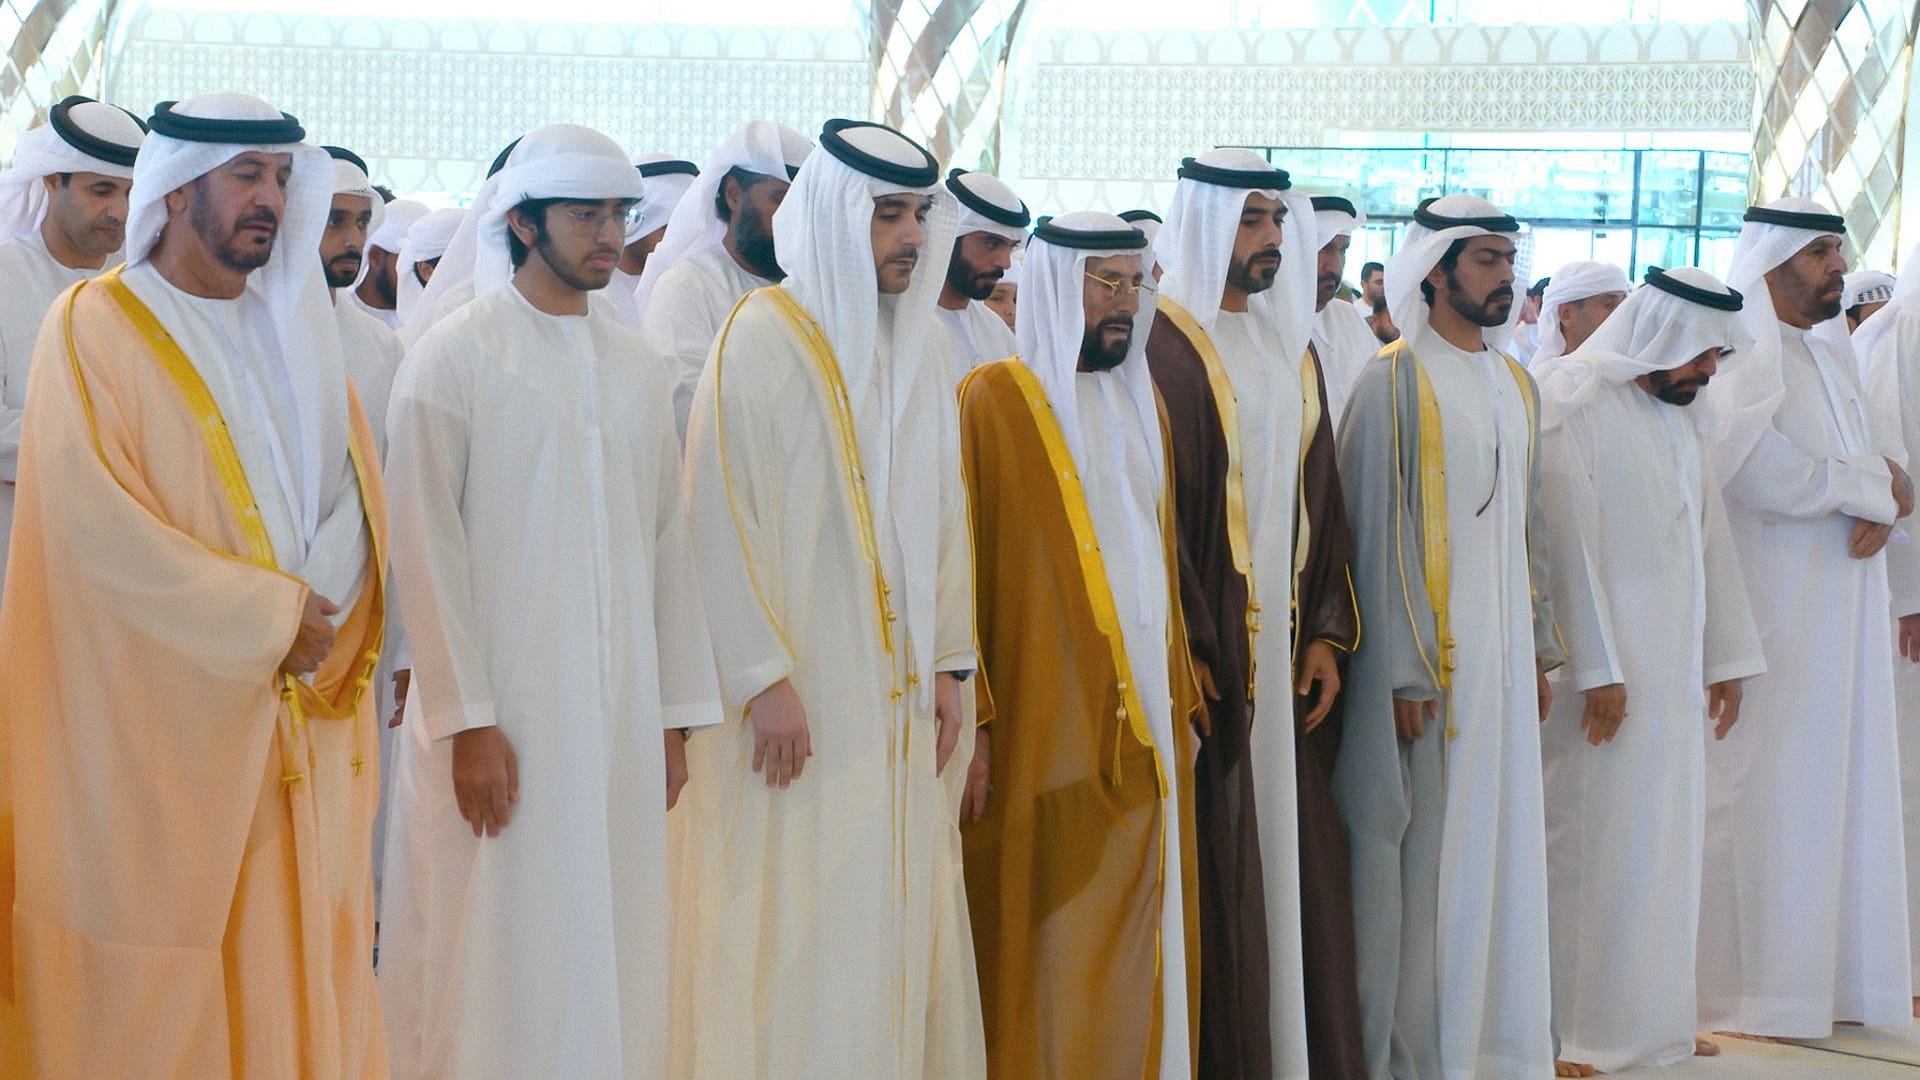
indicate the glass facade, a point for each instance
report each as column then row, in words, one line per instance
column 1634, row 208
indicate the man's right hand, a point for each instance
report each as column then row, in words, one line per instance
column 1410, row 717
column 781, row 743
column 1867, row 538
column 486, row 778
column 1606, row 707
column 315, row 639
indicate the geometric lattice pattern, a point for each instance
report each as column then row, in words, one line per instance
column 1830, row 111
column 428, row 103
column 1104, row 117
column 54, row 49
column 940, row 73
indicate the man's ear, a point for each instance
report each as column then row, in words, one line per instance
column 522, row 226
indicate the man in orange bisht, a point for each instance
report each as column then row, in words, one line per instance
column 188, row 763
column 1081, row 878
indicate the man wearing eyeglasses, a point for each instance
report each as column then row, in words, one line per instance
column 559, row 648
column 1439, row 774
column 1253, row 447
column 1079, row 843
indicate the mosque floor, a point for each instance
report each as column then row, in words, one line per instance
column 1852, row 1054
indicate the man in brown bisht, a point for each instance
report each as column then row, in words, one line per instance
column 1080, row 872
column 1264, row 546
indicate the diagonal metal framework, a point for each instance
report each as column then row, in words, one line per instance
column 55, row 48
column 940, row 72
column 1832, row 81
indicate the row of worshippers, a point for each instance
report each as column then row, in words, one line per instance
column 962, row 694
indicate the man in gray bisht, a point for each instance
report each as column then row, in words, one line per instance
column 1439, row 774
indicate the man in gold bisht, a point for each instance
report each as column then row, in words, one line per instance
column 188, row 760
column 1080, row 875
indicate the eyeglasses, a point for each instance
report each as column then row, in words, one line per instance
column 1119, row 287
column 592, row 218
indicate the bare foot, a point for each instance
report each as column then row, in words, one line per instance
column 1705, row 1047
column 1752, row 1038
column 1848, row 1023
column 1571, row 1068
column 1916, row 1008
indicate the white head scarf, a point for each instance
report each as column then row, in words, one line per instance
column 1572, row 282
column 1049, row 328
column 1437, row 224
column 350, row 178
column 558, row 161
column 762, row 147
column 1677, row 315
column 1866, row 287
column 425, row 241
column 823, row 232
column 988, row 205
column 80, row 135
column 1741, row 408
column 1196, row 243
column 399, row 216
column 667, row 179
column 1050, row 323
column 1906, row 297
column 1149, row 224
column 181, row 149
column 1334, row 216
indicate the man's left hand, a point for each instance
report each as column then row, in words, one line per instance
column 946, row 709
column 676, row 766
column 1318, row 666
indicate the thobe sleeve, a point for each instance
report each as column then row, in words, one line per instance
column 679, row 327
column 955, row 647
column 1732, row 648
column 1386, row 526
column 1328, row 608
column 689, row 688
column 107, row 552
column 1548, row 649
column 1781, row 480
column 1571, row 505
column 428, row 448
column 731, row 468
column 1898, row 352
column 13, row 400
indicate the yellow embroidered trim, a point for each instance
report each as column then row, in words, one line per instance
column 1239, row 536
column 816, row 342
column 302, row 698
column 1310, row 409
column 1431, row 460
column 213, row 426
column 726, row 478
column 1093, row 567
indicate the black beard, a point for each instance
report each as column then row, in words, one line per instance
column 1242, row 276
column 753, row 239
column 1484, row 314
column 1095, row 356
column 968, row 280
column 340, row 280
column 1672, row 392
column 584, row 281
